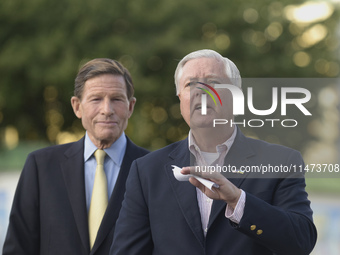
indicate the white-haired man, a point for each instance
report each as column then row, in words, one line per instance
column 248, row 215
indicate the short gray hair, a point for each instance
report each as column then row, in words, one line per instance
column 230, row 68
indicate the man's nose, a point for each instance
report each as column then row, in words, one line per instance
column 196, row 90
column 107, row 107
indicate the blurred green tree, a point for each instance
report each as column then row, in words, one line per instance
column 43, row 43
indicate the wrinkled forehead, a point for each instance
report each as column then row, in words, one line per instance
column 204, row 70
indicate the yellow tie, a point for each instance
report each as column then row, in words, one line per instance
column 99, row 197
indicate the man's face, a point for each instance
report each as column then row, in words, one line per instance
column 104, row 108
column 209, row 71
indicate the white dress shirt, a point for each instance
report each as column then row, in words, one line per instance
column 207, row 159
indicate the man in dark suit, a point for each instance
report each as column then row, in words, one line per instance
column 54, row 194
column 242, row 214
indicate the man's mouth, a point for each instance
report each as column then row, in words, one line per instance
column 107, row 122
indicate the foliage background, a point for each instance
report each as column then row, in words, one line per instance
column 43, row 43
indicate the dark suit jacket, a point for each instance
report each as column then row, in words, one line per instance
column 49, row 214
column 160, row 215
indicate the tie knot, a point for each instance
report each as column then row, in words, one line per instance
column 100, row 155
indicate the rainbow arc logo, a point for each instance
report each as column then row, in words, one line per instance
column 204, row 97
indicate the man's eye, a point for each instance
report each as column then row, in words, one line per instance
column 212, row 83
column 190, row 84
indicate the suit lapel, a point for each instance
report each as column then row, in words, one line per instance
column 185, row 193
column 73, row 173
column 240, row 153
column 114, row 205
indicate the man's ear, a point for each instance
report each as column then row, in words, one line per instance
column 132, row 103
column 75, row 102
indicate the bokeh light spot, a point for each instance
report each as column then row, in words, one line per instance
column 159, row 115
column 250, row 15
column 301, row 59
column 222, row 41
column 11, row 137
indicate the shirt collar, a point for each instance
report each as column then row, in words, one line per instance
column 219, row 148
column 115, row 152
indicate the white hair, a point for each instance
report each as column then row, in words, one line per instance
column 230, row 68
